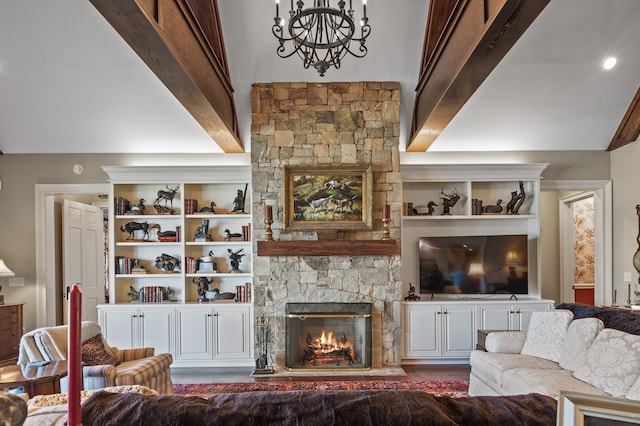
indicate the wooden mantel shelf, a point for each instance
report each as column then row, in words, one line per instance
column 328, row 248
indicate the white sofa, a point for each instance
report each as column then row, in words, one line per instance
column 558, row 353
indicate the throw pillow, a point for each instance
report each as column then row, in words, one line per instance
column 94, row 352
column 580, row 336
column 547, row 330
column 612, row 363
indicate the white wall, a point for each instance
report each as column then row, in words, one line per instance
column 625, row 173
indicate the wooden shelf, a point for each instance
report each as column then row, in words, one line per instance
column 328, row 248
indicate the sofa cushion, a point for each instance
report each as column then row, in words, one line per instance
column 612, row 363
column 580, row 336
column 509, row 342
column 520, row 381
column 491, row 366
column 547, row 330
column 95, row 353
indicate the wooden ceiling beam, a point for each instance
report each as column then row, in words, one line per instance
column 476, row 36
column 187, row 56
column 629, row 128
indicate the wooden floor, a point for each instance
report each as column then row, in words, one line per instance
column 244, row 374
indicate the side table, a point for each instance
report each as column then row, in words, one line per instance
column 482, row 337
column 42, row 380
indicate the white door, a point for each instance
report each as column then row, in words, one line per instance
column 423, row 330
column 83, row 254
column 157, row 329
column 194, row 334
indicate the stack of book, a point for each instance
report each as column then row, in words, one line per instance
column 152, row 294
column 168, row 238
column 191, row 265
column 243, row 293
column 122, row 205
column 125, row 265
column 246, row 232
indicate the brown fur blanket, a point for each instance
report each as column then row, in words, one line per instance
column 368, row 407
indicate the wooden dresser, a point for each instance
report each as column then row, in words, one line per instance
column 10, row 332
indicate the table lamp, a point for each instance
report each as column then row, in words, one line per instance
column 4, row 272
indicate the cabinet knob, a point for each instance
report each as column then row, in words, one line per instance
column 446, row 312
column 141, row 315
column 439, row 312
column 209, row 315
column 134, row 316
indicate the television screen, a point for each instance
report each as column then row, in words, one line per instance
column 489, row 264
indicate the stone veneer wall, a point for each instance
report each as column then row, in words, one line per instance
column 327, row 124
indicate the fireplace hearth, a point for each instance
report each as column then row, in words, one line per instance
column 328, row 336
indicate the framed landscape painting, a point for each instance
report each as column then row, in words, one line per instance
column 327, row 197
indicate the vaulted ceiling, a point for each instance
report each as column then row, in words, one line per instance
column 69, row 83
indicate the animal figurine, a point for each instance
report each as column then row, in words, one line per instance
column 209, row 209
column 138, row 207
column 235, row 257
column 134, row 295
column 497, row 208
column 168, row 263
column 202, row 232
column 449, row 200
column 131, row 227
column 203, row 287
column 166, row 195
column 513, row 206
column 229, row 235
column 238, row 202
column 222, row 296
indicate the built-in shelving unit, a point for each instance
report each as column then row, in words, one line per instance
column 444, row 326
column 146, row 258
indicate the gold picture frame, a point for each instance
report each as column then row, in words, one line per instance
column 578, row 409
column 337, row 197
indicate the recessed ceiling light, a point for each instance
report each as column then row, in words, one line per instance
column 609, row 63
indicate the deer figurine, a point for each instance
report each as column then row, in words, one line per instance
column 449, row 200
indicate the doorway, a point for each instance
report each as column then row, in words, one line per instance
column 49, row 270
column 573, row 196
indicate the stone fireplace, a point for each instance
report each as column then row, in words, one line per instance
column 328, row 336
column 327, row 124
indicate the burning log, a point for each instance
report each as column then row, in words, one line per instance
column 326, row 349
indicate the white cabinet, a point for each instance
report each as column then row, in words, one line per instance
column 216, row 333
column 138, row 326
column 508, row 316
column 437, row 330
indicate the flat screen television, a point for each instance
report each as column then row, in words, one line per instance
column 491, row 264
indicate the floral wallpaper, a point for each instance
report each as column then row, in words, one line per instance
column 583, row 241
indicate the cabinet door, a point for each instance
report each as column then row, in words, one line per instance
column 459, row 330
column 495, row 317
column 119, row 327
column 523, row 314
column 157, row 329
column 422, row 331
column 232, row 332
column 194, row 333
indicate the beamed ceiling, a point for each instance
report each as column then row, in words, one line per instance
column 138, row 76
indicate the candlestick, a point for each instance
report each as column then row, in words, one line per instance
column 268, row 220
column 74, row 357
column 386, row 211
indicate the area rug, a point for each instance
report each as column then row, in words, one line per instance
column 458, row 388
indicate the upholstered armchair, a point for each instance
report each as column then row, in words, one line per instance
column 103, row 365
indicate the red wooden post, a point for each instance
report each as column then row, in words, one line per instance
column 74, row 357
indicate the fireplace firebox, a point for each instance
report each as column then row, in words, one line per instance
column 328, row 336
